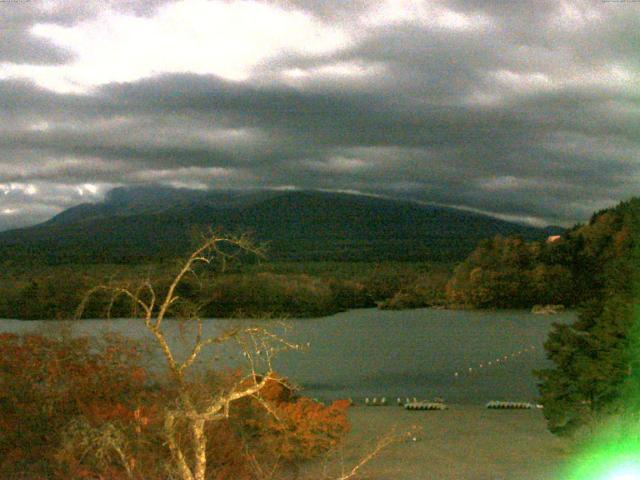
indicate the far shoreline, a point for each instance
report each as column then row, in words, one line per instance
column 266, row 317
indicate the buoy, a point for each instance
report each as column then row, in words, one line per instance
column 366, row 401
column 455, row 374
column 383, row 401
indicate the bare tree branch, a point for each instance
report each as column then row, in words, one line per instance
column 194, row 412
column 380, row 445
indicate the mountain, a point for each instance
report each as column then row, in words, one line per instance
column 155, row 199
column 153, row 223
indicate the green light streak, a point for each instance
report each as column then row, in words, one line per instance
column 615, row 459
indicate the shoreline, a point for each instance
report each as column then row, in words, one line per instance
column 452, row 308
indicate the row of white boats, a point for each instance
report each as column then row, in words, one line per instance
column 439, row 404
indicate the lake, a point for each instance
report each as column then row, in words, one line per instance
column 466, row 357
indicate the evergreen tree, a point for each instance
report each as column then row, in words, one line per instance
column 596, row 358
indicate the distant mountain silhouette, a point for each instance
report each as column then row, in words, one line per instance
column 154, row 223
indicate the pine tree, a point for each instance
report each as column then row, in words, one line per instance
column 596, row 358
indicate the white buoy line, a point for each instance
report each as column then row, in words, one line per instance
column 437, row 403
column 495, row 362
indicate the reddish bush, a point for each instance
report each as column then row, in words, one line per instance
column 303, row 428
column 45, row 382
column 284, row 429
column 71, row 408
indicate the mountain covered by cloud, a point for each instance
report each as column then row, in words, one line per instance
column 150, row 223
column 525, row 110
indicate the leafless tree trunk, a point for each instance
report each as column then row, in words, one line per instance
column 189, row 461
column 259, row 345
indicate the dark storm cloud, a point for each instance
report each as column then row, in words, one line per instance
column 526, row 110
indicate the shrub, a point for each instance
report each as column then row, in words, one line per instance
column 46, row 382
column 76, row 408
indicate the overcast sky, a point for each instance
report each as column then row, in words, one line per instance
column 528, row 110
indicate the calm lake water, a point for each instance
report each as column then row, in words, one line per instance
column 371, row 353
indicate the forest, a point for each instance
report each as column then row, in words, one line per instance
column 501, row 272
column 592, row 268
column 596, row 369
column 254, row 290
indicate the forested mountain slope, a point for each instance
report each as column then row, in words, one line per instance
column 150, row 225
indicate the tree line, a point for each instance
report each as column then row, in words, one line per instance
column 596, row 360
column 250, row 291
column 594, row 268
column 85, row 407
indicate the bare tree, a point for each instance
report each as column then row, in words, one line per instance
column 259, row 347
column 334, row 466
column 190, row 409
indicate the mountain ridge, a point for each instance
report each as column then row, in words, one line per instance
column 145, row 224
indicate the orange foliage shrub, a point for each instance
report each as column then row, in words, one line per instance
column 287, row 429
column 304, row 428
column 44, row 382
column 60, row 398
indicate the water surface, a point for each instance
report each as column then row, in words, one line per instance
column 373, row 353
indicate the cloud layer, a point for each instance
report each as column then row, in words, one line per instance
column 526, row 110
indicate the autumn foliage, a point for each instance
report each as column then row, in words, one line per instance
column 298, row 428
column 45, row 382
column 595, row 372
column 511, row 273
column 77, row 408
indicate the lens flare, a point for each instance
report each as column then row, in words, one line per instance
column 612, row 460
column 613, row 453
column 629, row 471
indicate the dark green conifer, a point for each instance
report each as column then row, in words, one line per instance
column 597, row 358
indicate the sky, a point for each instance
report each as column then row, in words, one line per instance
column 526, row 110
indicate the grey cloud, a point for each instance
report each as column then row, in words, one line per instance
column 19, row 45
column 413, row 130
